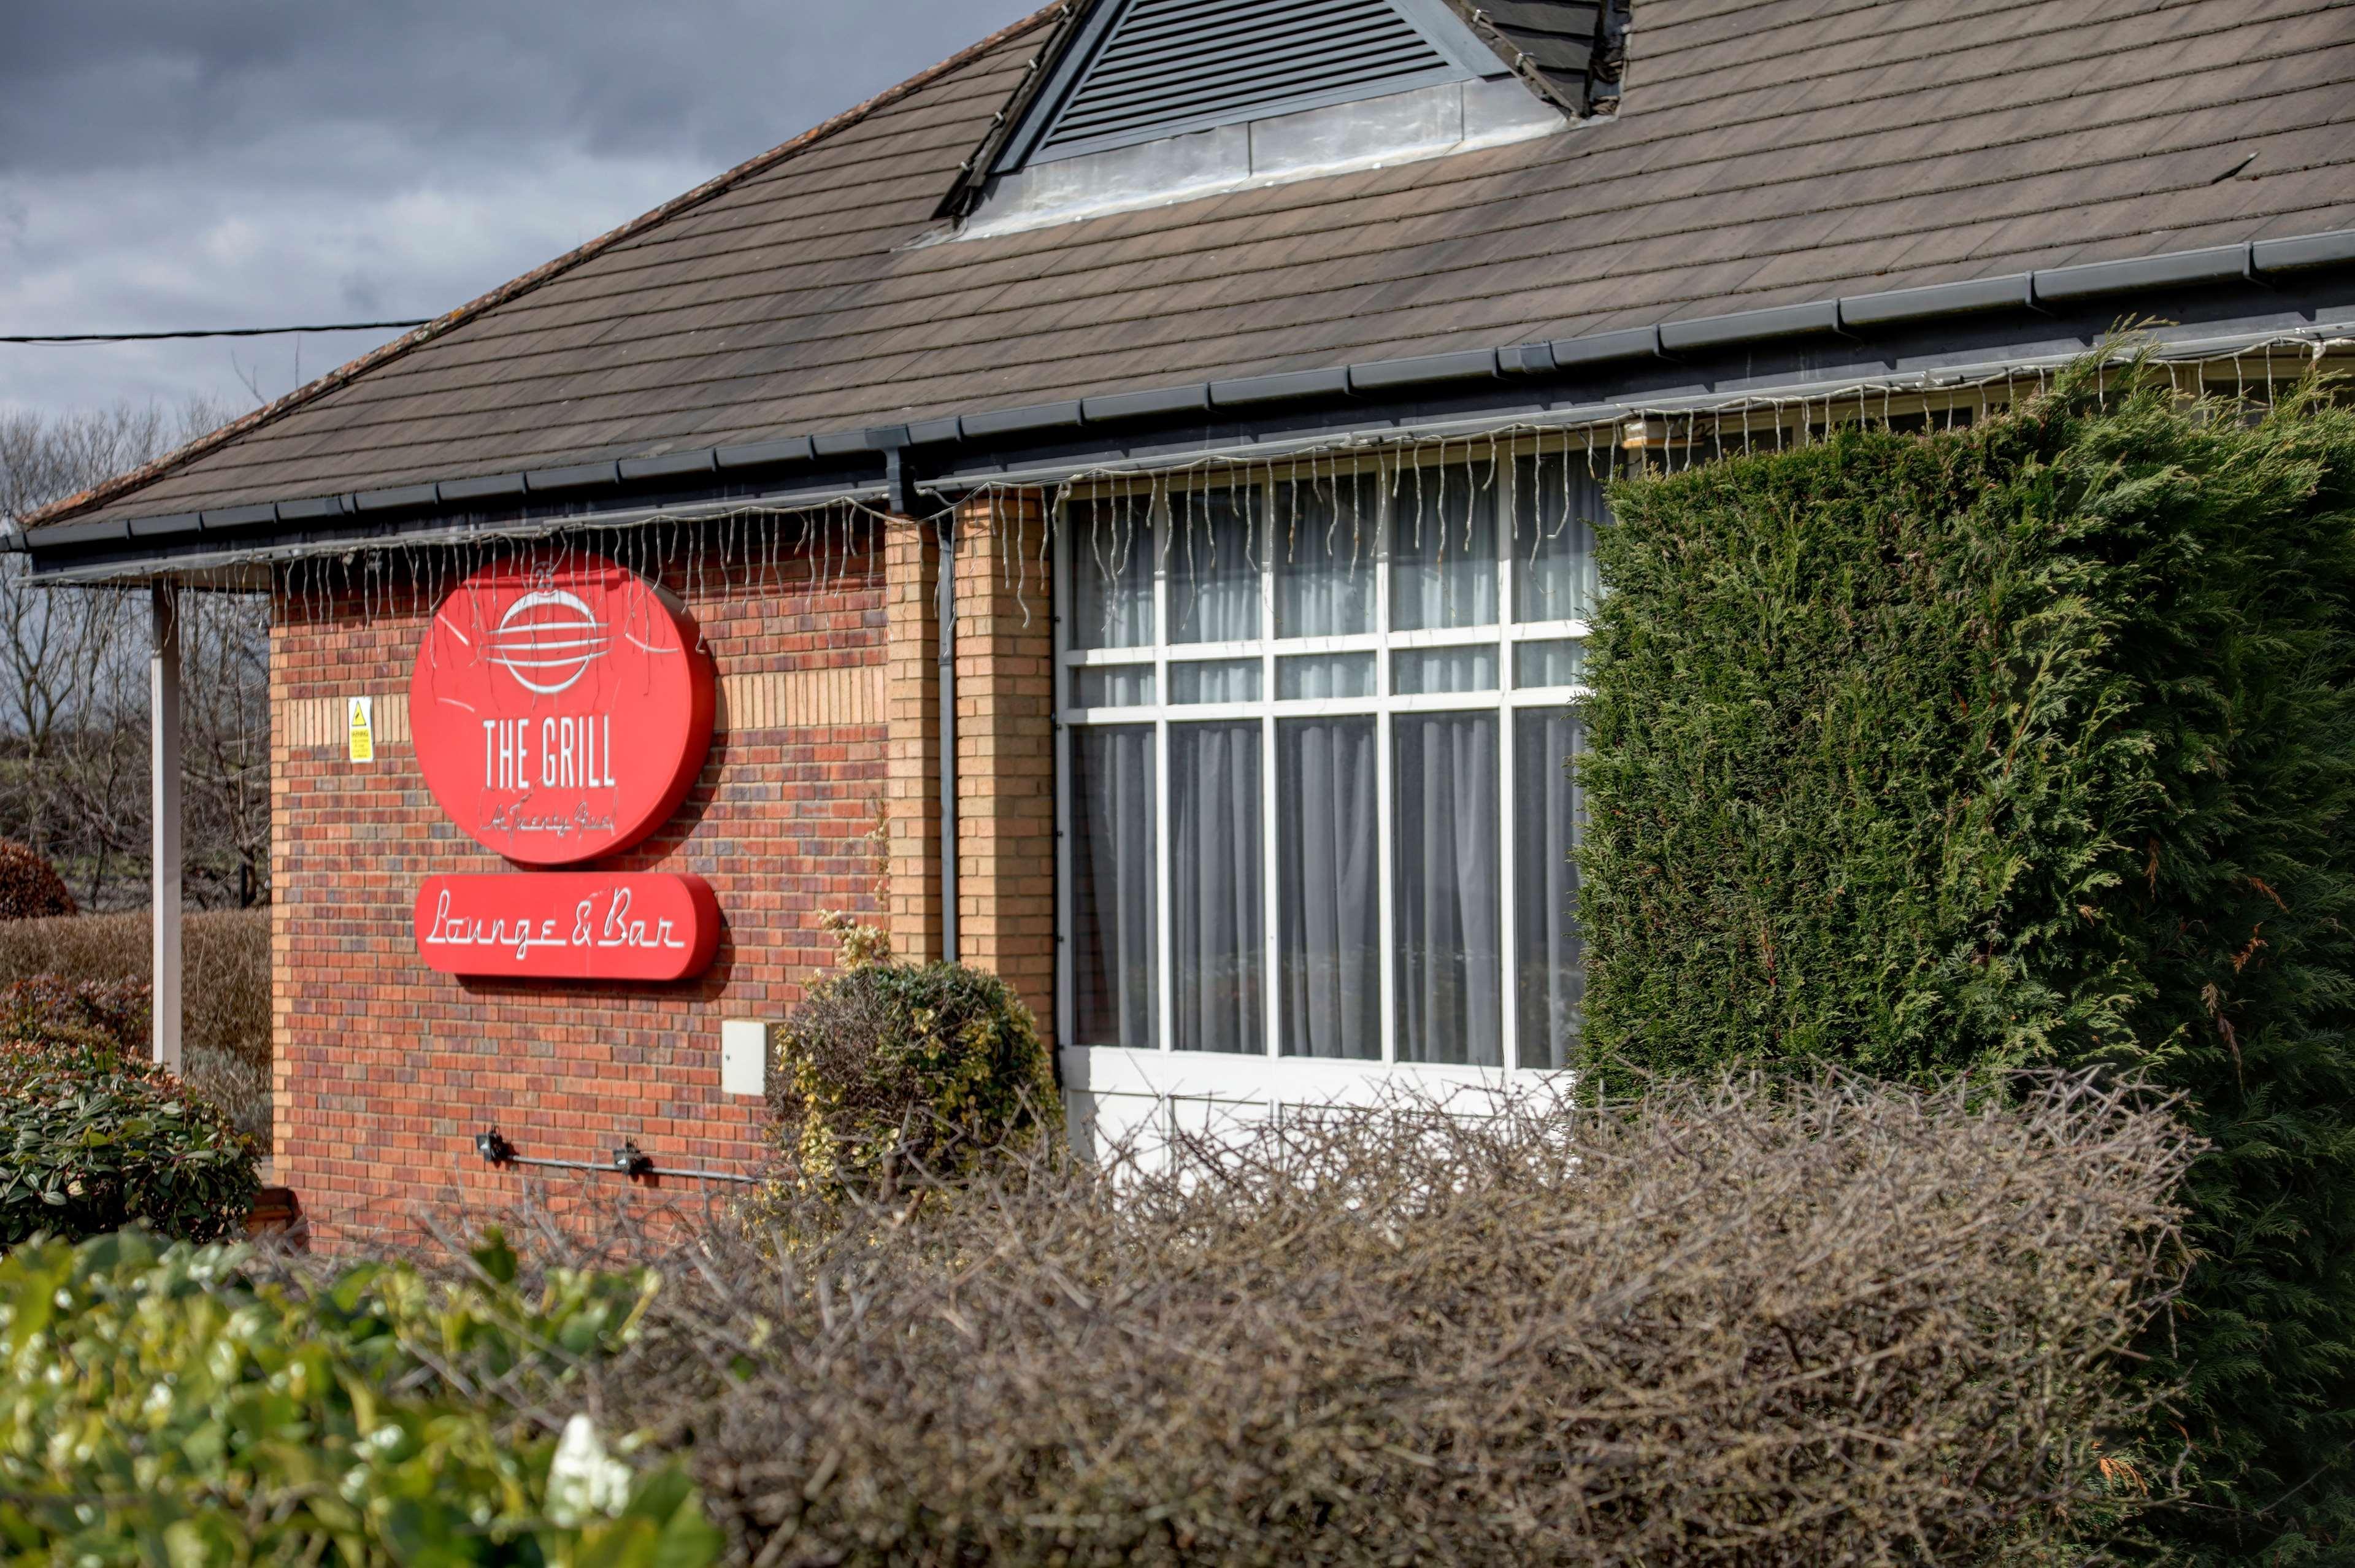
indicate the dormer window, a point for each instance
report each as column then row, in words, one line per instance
column 1138, row 102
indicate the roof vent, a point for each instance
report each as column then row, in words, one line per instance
column 1153, row 69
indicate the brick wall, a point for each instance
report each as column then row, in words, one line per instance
column 385, row 1072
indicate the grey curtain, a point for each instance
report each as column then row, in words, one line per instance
column 1328, row 891
column 1557, row 503
column 1549, row 820
column 1324, row 547
column 1218, row 910
column 1214, row 555
column 1444, row 548
column 1114, row 930
column 1445, row 877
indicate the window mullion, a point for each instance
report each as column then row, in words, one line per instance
column 1508, row 498
column 1163, row 993
column 1270, row 897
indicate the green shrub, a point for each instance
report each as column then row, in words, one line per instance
column 30, row 888
column 92, row 1140
column 159, row 1406
column 2032, row 743
column 889, row 1074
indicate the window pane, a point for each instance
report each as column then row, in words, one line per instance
column 1322, row 678
column 1112, row 573
column 1557, row 503
column 1444, row 548
column 1549, row 818
column 1328, row 890
column 1323, row 549
column 1214, row 559
column 1113, row 686
column 1218, row 910
column 1559, row 663
column 1419, row 672
column 1216, row 681
column 1445, row 878
column 1114, row 938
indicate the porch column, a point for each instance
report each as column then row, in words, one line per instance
column 1006, row 746
column 911, row 712
column 165, row 890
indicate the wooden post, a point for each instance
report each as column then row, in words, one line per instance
column 166, row 892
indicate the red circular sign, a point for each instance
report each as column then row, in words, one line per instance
column 562, row 708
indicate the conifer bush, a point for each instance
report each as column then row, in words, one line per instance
column 2032, row 743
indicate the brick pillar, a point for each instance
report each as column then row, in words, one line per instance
column 912, row 897
column 282, row 1128
column 1006, row 746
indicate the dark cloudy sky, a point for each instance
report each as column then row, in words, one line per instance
column 168, row 163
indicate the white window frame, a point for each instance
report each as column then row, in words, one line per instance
column 1184, row 1084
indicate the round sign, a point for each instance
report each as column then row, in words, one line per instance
column 561, row 707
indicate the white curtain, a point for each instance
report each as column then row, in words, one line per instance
column 1549, row 818
column 1329, row 888
column 1114, row 930
column 1444, row 549
column 1445, row 877
column 1218, row 910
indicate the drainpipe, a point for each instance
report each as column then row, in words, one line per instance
column 949, row 949
column 165, row 890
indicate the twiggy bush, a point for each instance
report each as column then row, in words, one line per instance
column 226, row 1040
column 1828, row 1324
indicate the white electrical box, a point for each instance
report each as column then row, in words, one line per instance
column 744, row 1057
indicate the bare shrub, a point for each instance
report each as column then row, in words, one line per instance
column 1831, row 1324
column 226, row 992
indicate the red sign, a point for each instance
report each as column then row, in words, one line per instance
column 562, row 708
column 571, row 925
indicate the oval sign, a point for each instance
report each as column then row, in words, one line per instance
column 569, row 925
column 562, row 708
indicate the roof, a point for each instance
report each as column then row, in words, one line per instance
column 1769, row 153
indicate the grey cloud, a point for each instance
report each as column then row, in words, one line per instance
column 197, row 163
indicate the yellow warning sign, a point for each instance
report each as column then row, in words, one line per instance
column 363, row 726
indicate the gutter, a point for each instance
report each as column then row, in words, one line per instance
column 2256, row 261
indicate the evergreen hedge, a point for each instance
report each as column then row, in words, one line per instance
column 2027, row 744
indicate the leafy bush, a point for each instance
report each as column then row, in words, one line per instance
column 889, row 1074
column 2033, row 743
column 161, row 1406
column 92, row 1140
column 225, row 1034
column 1837, row 1324
column 30, row 888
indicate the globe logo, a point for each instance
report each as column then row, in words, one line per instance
column 547, row 640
